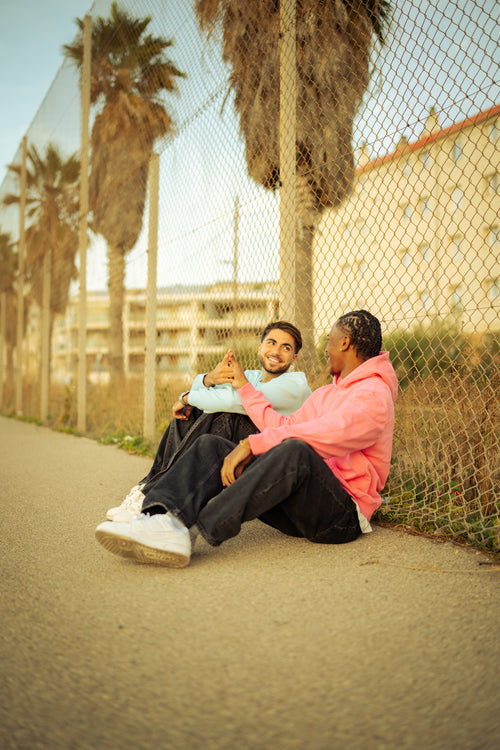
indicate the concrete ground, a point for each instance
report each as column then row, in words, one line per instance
column 265, row 643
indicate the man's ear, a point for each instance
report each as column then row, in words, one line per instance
column 345, row 343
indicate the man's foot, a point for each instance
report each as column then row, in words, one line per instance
column 130, row 507
column 158, row 540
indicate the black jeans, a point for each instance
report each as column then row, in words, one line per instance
column 289, row 488
column 180, row 434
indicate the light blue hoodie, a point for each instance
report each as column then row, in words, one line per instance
column 286, row 393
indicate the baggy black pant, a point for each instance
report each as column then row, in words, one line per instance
column 289, row 488
column 180, row 434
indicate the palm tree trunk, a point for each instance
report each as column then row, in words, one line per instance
column 116, row 286
column 307, row 219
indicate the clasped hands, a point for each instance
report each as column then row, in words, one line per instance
column 227, row 371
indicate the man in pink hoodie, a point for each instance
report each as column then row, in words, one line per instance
column 316, row 474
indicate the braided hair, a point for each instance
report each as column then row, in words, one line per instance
column 365, row 332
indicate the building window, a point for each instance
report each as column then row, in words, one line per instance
column 491, row 181
column 362, row 186
column 456, row 248
column 493, row 289
column 425, row 300
column 361, row 225
column 456, row 150
column 425, row 159
column 492, row 236
column 347, row 231
column 425, row 252
column 362, row 268
column 405, row 257
column 456, row 299
column 347, row 270
column 405, row 304
column 406, row 211
column 493, row 132
column 424, row 206
column 456, row 199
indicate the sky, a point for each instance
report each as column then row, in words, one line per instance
column 32, row 33
column 441, row 54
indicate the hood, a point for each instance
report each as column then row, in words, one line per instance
column 379, row 366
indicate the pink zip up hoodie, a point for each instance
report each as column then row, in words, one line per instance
column 349, row 423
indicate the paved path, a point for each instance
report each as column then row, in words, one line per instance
column 265, row 643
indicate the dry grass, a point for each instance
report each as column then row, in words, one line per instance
column 446, row 464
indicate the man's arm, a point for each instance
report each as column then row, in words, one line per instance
column 332, row 427
column 212, row 391
column 202, row 391
column 258, row 408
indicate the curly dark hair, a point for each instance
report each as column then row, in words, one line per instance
column 365, row 332
column 288, row 328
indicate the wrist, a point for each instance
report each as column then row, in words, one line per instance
column 182, row 398
column 245, row 443
column 206, row 379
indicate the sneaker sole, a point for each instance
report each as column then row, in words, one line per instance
column 118, row 545
column 154, row 556
column 128, row 548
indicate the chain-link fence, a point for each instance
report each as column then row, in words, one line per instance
column 255, row 160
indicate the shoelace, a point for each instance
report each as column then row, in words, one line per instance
column 130, row 499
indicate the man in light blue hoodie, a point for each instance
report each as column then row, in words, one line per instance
column 213, row 406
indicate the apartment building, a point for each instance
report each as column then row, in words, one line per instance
column 419, row 236
column 193, row 326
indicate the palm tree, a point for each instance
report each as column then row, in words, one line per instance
column 8, row 262
column 52, row 216
column 333, row 47
column 8, row 276
column 129, row 74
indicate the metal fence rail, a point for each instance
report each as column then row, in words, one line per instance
column 199, row 169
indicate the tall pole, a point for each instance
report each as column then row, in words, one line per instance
column 151, row 293
column 3, row 340
column 20, row 287
column 288, row 117
column 235, row 268
column 82, row 243
column 45, row 369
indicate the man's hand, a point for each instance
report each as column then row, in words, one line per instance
column 181, row 411
column 235, row 462
column 239, row 378
column 222, row 373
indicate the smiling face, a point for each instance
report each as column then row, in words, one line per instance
column 277, row 352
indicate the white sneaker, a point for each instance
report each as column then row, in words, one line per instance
column 130, row 507
column 159, row 540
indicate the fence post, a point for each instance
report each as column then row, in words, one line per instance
column 3, row 341
column 288, row 115
column 45, row 364
column 234, row 332
column 20, row 287
column 82, row 243
column 151, row 292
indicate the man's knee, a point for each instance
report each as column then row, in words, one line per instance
column 207, row 440
column 212, row 444
column 291, row 447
